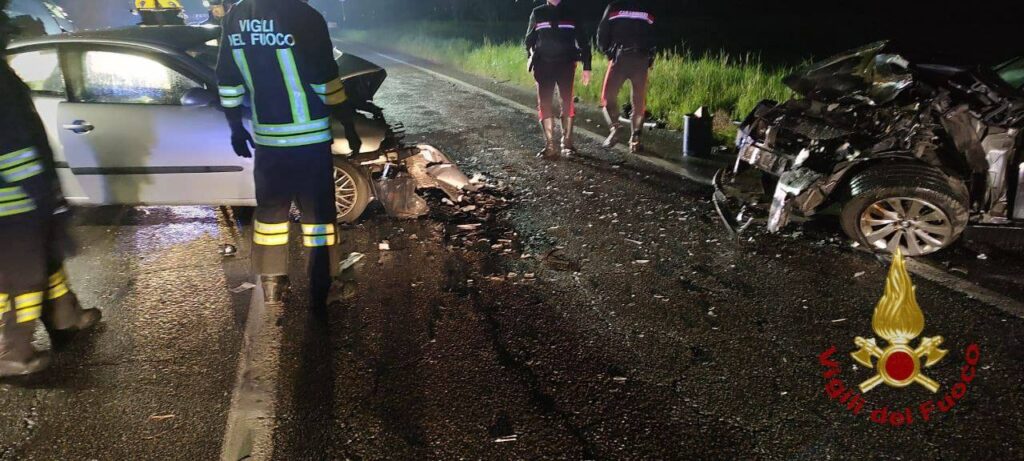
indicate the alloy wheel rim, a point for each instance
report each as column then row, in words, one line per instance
column 915, row 226
column 344, row 192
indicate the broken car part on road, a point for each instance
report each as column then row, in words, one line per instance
column 912, row 153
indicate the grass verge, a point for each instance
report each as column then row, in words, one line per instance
column 679, row 84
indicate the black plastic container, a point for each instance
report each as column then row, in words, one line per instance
column 698, row 134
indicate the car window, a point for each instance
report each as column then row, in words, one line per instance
column 40, row 70
column 1013, row 73
column 121, row 78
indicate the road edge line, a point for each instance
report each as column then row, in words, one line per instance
column 248, row 434
column 966, row 287
column 656, row 162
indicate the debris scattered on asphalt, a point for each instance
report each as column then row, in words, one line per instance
column 469, row 227
column 642, row 261
column 350, row 261
column 384, row 246
column 161, row 417
column 982, row 256
column 859, row 274
column 507, row 438
column 243, row 288
column 227, row 249
column 635, row 242
column 838, row 320
column 556, row 259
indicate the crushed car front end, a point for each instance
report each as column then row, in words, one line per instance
column 933, row 146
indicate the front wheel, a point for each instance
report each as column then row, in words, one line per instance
column 908, row 207
column 351, row 191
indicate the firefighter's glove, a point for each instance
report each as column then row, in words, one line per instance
column 242, row 142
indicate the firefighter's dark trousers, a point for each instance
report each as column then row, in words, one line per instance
column 303, row 175
column 33, row 284
column 633, row 66
column 549, row 76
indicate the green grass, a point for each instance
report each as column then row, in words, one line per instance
column 679, row 83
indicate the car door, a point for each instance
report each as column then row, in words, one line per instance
column 39, row 67
column 129, row 139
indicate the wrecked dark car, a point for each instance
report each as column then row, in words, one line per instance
column 910, row 153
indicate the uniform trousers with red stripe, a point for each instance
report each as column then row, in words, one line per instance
column 551, row 75
column 632, row 66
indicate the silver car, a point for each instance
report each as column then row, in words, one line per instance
column 133, row 118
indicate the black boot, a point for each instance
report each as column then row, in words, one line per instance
column 614, row 127
column 636, row 144
column 35, row 363
column 17, row 356
column 275, row 288
column 568, row 148
column 550, row 145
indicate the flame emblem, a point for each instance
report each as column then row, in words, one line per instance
column 898, row 320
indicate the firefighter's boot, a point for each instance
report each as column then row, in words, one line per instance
column 614, row 129
column 64, row 319
column 568, row 148
column 636, row 144
column 66, row 314
column 17, row 356
column 550, row 144
column 275, row 288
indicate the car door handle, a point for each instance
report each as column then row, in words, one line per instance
column 79, row 127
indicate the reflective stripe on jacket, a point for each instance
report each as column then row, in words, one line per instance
column 278, row 56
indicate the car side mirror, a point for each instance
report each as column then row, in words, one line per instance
column 198, row 97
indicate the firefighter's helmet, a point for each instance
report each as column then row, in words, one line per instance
column 158, row 5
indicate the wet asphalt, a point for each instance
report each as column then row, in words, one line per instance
column 647, row 334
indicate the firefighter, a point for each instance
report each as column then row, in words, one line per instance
column 278, row 56
column 554, row 45
column 33, row 283
column 626, row 36
column 218, row 8
column 160, row 12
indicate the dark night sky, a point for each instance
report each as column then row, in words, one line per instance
column 778, row 30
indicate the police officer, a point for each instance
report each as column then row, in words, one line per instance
column 160, row 12
column 554, row 44
column 277, row 55
column 626, row 36
column 33, row 284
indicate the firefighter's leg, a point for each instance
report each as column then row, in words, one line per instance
column 316, row 198
column 545, row 78
column 566, row 82
column 62, row 311
column 22, row 293
column 613, row 82
column 275, row 178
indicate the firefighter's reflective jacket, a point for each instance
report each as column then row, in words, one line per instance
column 27, row 178
column 157, row 5
column 278, row 55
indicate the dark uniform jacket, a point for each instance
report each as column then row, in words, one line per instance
column 555, row 35
column 278, row 55
column 28, row 181
column 628, row 25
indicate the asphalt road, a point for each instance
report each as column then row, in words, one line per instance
column 598, row 312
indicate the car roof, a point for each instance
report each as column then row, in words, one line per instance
column 180, row 38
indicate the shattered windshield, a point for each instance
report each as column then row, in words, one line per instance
column 1013, row 72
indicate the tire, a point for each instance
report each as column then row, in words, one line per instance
column 351, row 189
column 915, row 208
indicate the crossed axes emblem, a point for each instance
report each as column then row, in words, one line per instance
column 898, row 364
